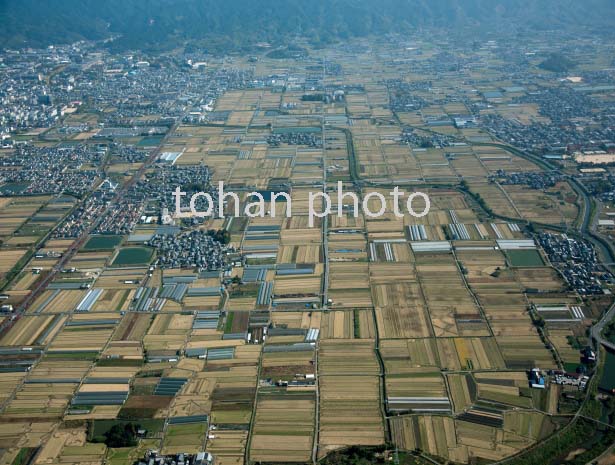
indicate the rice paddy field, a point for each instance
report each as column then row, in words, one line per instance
column 184, row 438
column 33, row 331
column 283, row 428
column 15, row 211
column 349, row 412
column 545, row 207
column 525, row 258
column 459, row 440
column 129, row 256
column 102, row 242
column 413, row 332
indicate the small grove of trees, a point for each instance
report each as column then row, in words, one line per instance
column 463, row 185
column 537, row 319
column 482, row 203
column 560, row 444
column 557, row 63
column 120, row 435
column 609, row 331
column 313, row 98
column 356, row 455
column 220, row 235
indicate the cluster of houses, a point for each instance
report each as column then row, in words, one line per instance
column 577, row 262
column 196, row 249
column 49, row 170
column 538, row 180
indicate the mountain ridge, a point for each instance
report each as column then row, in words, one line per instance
column 160, row 23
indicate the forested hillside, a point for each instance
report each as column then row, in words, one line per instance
column 162, row 23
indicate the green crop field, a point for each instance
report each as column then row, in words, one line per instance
column 133, row 256
column 151, row 141
column 524, row 258
column 102, row 243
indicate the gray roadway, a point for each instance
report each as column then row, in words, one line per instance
column 596, row 329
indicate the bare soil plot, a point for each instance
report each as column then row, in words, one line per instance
column 469, row 353
column 400, row 310
column 347, row 325
column 283, row 428
column 349, row 412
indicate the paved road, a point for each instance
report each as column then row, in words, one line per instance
column 587, row 204
column 598, row 327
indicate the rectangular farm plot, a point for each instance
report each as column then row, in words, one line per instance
column 228, row 446
column 555, row 205
column 452, row 309
column 349, row 285
column 168, row 332
column 47, row 390
column 510, row 321
column 435, row 435
column 422, row 390
column 539, row 279
column 277, row 358
column 231, row 393
column 454, row 439
column 529, row 258
column 132, row 327
column 558, row 314
column 463, row 391
column 400, row 310
column 386, row 273
column 299, row 254
column 347, row 246
column 37, row 331
column 133, row 256
column 111, row 300
column 187, row 438
column 383, row 250
column 349, row 412
column 482, row 441
column 119, row 278
column 504, row 388
column 25, row 281
column 9, row 382
column 102, row 243
column 283, row 429
column 348, row 357
column 9, row 258
column 525, row 352
column 357, row 324
column 289, row 286
column 68, row 447
column 84, row 260
column 85, row 333
column 531, row 425
column 496, row 198
column 406, row 355
column 57, row 301
column 14, row 212
column 469, row 353
column 560, row 338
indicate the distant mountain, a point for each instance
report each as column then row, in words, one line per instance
column 162, row 23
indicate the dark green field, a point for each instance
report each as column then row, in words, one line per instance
column 151, row 141
column 102, row 243
column 133, row 256
column 525, row 258
column 14, row 188
column 607, row 383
